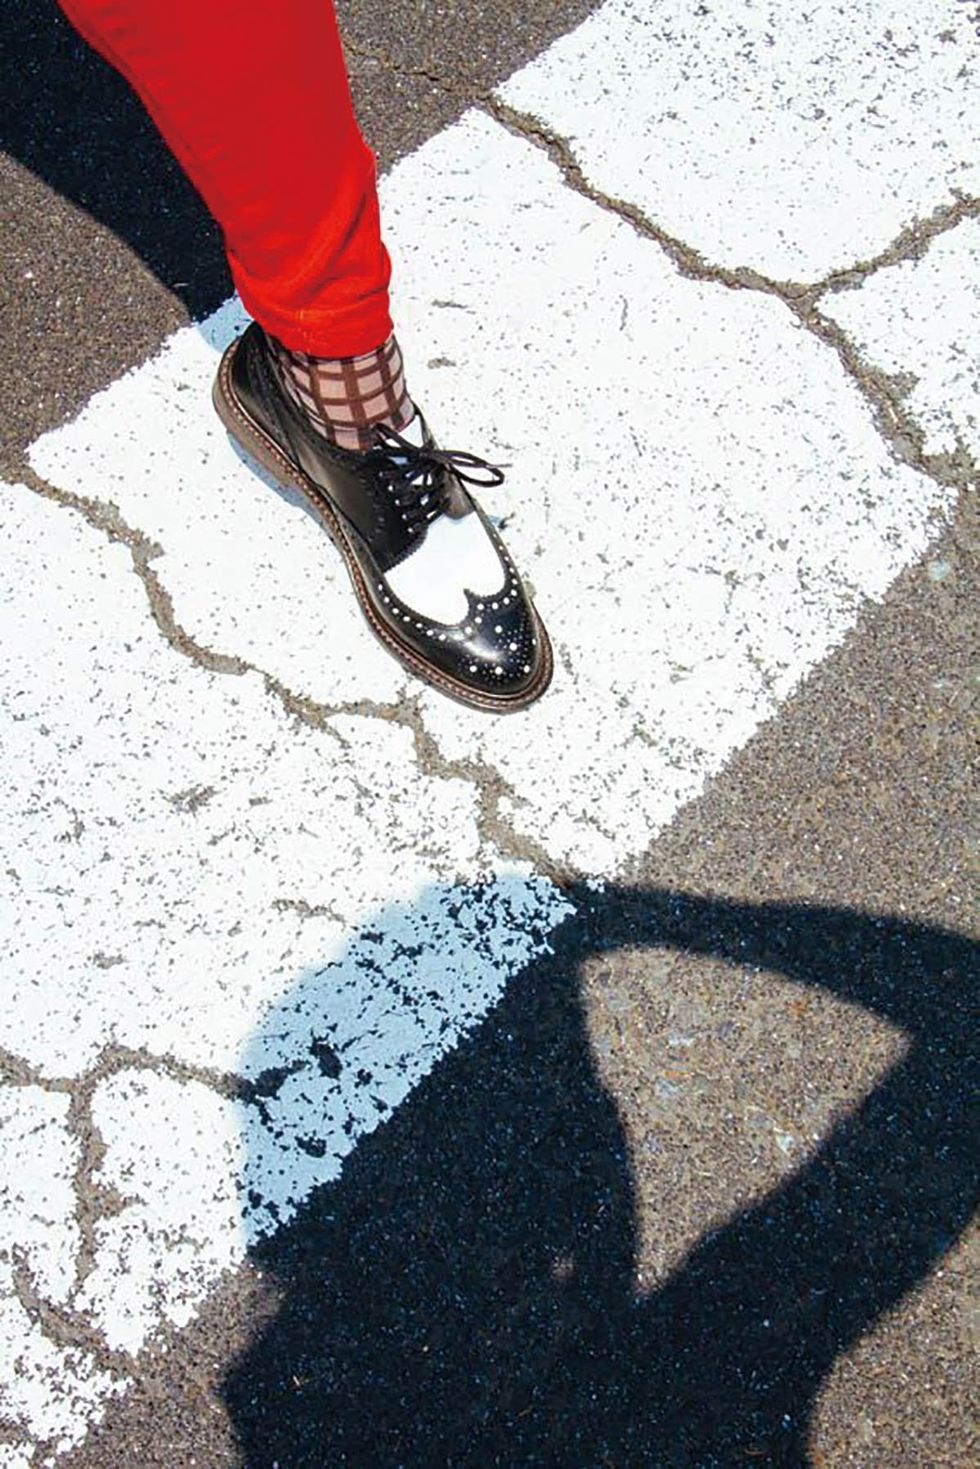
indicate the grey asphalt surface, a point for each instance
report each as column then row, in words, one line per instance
column 107, row 248
column 664, row 1208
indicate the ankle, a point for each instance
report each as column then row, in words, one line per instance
column 343, row 398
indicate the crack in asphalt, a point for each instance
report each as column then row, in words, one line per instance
column 401, row 68
column 491, row 788
column 902, row 433
column 69, row 1325
column 884, row 394
column 16, row 1071
column 66, row 1326
column 911, row 244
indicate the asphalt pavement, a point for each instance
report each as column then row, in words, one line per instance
column 382, row 1084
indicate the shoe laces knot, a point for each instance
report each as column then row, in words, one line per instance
column 417, row 476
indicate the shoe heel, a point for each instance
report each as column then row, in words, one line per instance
column 249, row 437
column 239, row 428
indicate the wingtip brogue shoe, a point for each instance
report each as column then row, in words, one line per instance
column 432, row 576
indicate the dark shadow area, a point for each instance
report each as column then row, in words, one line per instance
column 66, row 116
column 108, row 248
column 71, row 120
column 463, row 1294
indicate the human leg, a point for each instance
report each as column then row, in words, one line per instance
column 254, row 102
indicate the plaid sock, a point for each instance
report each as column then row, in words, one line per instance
column 343, row 397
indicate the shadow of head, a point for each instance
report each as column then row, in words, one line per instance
column 463, row 1292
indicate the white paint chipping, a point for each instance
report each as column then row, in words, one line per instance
column 36, row 1186
column 204, row 1177
column 699, row 497
column 13, row 1457
column 193, row 874
column 698, row 492
column 793, row 139
column 174, row 1153
column 444, row 959
column 248, row 566
column 47, row 1392
column 921, row 320
column 168, row 830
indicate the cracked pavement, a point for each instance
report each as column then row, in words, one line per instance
column 304, row 964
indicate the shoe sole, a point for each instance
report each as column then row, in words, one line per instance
column 256, row 442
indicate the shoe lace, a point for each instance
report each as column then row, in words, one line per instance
column 417, row 476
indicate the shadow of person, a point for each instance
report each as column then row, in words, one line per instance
column 463, row 1292
column 74, row 123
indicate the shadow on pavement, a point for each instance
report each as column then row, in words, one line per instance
column 464, row 1293
column 75, row 124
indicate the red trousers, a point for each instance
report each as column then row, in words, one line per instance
column 253, row 99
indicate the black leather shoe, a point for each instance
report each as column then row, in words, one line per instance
column 433, row 577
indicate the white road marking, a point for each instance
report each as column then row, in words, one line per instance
column 795, row 139
column 698, row 492
column 922, row 319
column 247, row 565
column 192, row 874
column 702, row 502
column 14, row 1457
column 175, row 1152
column 162, row 824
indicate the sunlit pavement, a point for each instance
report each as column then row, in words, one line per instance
column 387, row 1084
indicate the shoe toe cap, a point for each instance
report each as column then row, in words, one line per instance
column 502, row 654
